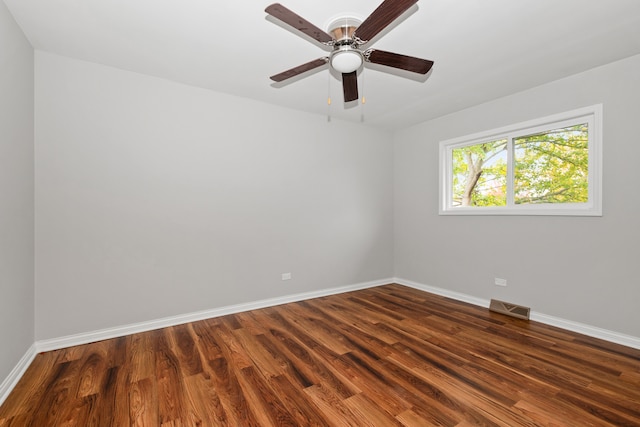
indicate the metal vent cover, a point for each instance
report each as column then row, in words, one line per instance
column 509, row 309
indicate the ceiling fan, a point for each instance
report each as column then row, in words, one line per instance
column 347, row 38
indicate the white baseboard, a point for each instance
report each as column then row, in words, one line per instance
column 119, row 331
column 592, row 331
column 443, row 292
column 14, row 376
column 86, row 337
column 581, row 328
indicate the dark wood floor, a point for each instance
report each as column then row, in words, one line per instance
column 389, row 355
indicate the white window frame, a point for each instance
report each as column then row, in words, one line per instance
column 591, row 115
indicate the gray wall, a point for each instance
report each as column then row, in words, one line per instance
column 576, row 268
column 156, row 199
column 16, row 194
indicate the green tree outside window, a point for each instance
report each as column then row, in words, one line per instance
column 548, row 167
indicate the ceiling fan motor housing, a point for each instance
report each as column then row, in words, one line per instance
column 342, row 29
column 346, row 57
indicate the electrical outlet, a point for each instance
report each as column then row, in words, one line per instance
column 286, row 276
column 500, row 282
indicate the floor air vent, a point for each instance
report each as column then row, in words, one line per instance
column 510, row 309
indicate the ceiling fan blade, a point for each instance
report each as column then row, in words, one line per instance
column 283, row 14
column 384, row 15
column 350, row 86
column 395, row 60
column 300, row 69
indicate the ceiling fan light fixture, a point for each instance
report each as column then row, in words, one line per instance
column 346, row 60
column 347, row 36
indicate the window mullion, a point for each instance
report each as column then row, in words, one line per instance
column 510, row 171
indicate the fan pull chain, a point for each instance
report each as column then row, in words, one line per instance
column 364, row 99
column 329, row 97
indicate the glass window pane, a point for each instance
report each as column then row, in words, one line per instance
column 552, row 167
column 480, row 174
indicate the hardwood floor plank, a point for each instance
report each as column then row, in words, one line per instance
column 110, row 408
column 324, row 335
column 231, row 348
column 50, row 407
column 266, row 406
column 181, row 340
column 205, row 407
column 296, row 371
column 169, row 380
column 369, row 412
column 544, row 410
column 92, row 375
column 303, row 411
column 367, row 378
column 143, row 403
column 205, row 340
column 428, row 402
column 383, row 356
column 140, row 357
column 490, row 409
column 358, row 338
column 311, row 356
column 261, row 358
column 249, row 323
column 332, row 406
column 31, row 386
column 225, row 383
column 409, row 418
column 348, row 315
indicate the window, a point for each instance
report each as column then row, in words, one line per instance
column 548, row 166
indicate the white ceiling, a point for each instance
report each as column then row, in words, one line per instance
column 483, row 49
